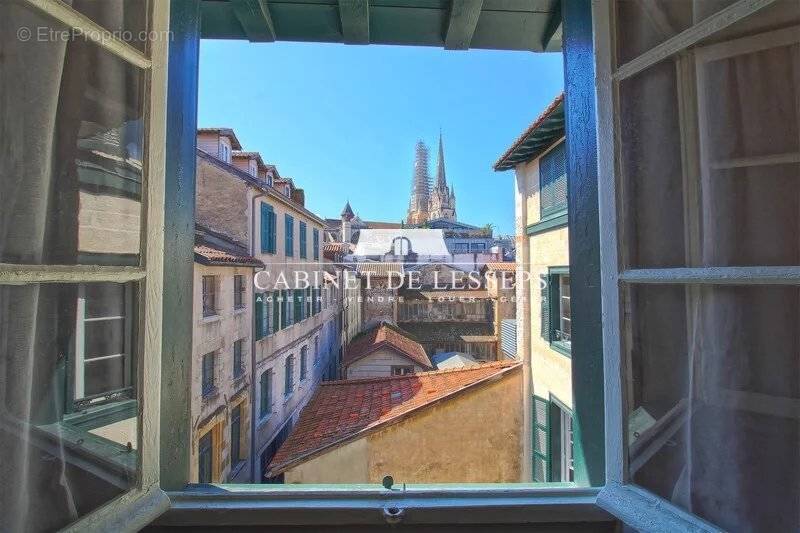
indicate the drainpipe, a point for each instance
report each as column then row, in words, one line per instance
column 253, row 415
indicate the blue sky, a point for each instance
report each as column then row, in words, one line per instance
column 342, row 121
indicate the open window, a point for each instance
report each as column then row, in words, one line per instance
column 700, row 214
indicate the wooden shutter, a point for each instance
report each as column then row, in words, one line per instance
column 303, row 241
column 289, row 237
column 553, row 182
column 541, row 440
column 273, row 231
column 259, row 309
column 267, row 216
column 265, row 315
column 276, row 311
column 544, row 283
column 264, row 403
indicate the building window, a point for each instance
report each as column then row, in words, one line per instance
column 205, row 457
column 238, row 362
column 478, row 247
column 239, row 291
column 103, row 342
column 315, row 237
column 261, row 310
column 209, row 295
column 303, row 241
column 265, row 394
column 236, row 435
column 562, row 466
column 268, row 229
column 303, row 363
column 402, row 370
column 553, row 182
column 556, row 324
column 461, row 247
column 289, row 376
column 288, row 228
column 316, row 351
column 277, row 323
column 224, row 151
column 208, row 373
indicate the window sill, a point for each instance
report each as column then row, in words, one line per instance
column 262, row 505
column 561, row 348
column 548, row 223
column 210, row 318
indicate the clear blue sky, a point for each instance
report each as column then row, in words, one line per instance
column 342, row 121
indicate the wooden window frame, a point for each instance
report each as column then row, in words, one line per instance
column 265, row 409
column 145, row 500
column 238, row 366
column 636, row 506
column 210, row 281
column 239, row 291
column 208, row 389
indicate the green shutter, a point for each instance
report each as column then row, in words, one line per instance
column 544, row 284
column 288, row 225
column 267, row 228
column 265, row 316
column 303, row 241
column 297, row 297
column 273, row 231
column 259, row 311
column 276, row 311
column 284, row 307
column 316, row 244
column 541, row 440
column 555, row 442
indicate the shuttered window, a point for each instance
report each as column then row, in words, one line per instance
column 265, row 386
column 260, row 309
column 544, row 285
column 553, row 182
column 316, row 244
column 288, row 226
column 268, row 230
column 303, row 241
column 541, row 440
column 276, row 311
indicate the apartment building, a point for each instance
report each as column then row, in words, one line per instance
column 221, row 345
column 543, row 292
column 295, row 333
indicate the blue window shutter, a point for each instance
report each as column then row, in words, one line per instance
column 265, row 315
column 289, row 237
column 266, row 217
column 303, row 241
column 316, row 244
column 259, row 311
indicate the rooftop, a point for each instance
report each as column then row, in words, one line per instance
column 341, row 411
column 423, row 242
column 225, row 132
column 386, row 336
column 217, row 249
column 540, row 135
column 501, row 266
column 447, row 331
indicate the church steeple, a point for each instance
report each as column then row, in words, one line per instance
column 420, row 186
column 441, row 179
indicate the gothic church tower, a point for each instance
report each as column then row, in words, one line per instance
column 442, row 203
column 420, row 187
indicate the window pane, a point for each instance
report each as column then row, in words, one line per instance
column 64, row 451
column 72, row 166
column 126, row 19
column 647, row 24
column 711, row 365
column 104, row 338
column 651, row 175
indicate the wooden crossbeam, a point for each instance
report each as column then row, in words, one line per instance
column 255, row 19
column 354, row 16
column 461, row 25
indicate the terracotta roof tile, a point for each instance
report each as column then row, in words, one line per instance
column 386, row 336
column 212, row 255
column 380, row 269
column 505, row 266
column 531, row 129
column 343, row 410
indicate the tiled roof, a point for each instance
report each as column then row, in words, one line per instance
column 455, row 295
column 504, row 266
column 373, row 224
column 336, row 247
column 533, row 142
column 386, row 336
column 214, row 256
column 341, row 411
column 380, row 269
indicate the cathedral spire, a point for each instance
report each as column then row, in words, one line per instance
column 441, row 179
column 420, row 186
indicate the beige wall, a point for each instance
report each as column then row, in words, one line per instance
column 461, row 439
column 217, row 334
column 222, row 201
column 379, row 364
column 108, row 224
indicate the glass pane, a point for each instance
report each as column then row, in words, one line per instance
column 68, row 445
column 643, row 25
column 125, row 19
column 716, row 369
column 102, row 338
column 104, row 300
column 651, row 171
column 72, row 166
